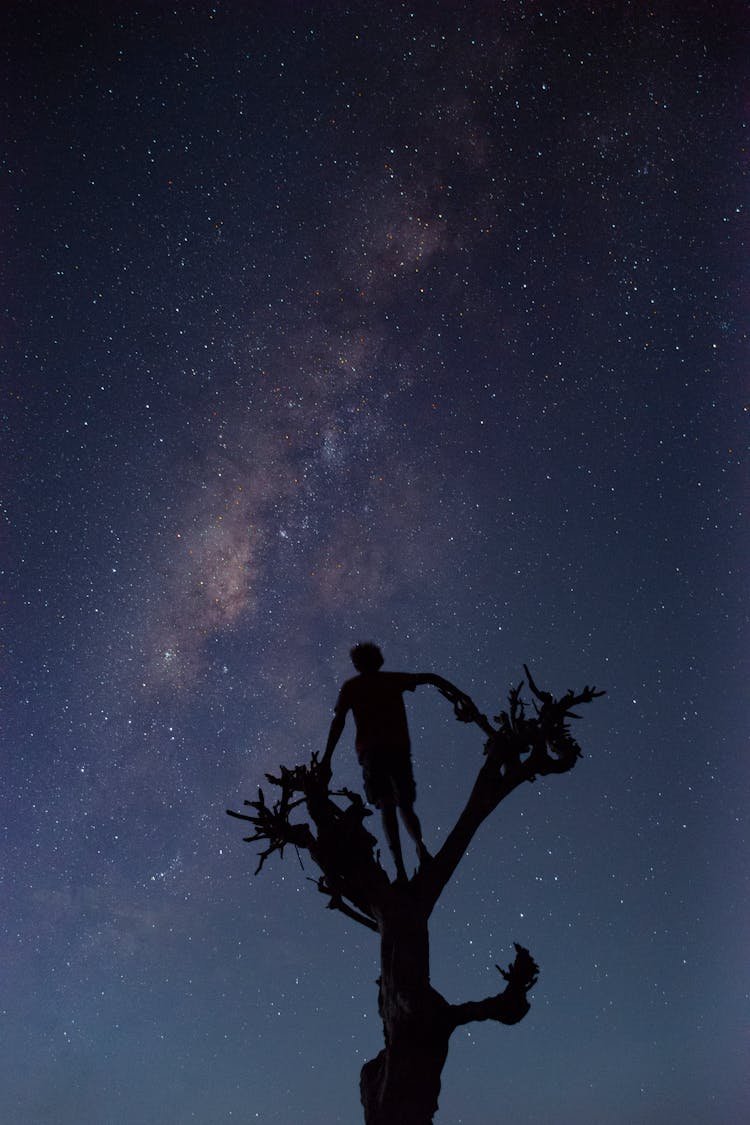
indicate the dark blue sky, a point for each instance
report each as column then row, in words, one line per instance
column 421, row 323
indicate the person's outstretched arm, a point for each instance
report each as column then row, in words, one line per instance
column 463, row 705
column 444, row 686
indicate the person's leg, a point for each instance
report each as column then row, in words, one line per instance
column 406, row 794
column 414, row 828
column 390, row 827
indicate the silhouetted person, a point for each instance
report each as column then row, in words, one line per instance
column 382, row 741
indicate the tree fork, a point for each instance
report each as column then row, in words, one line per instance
column 401, row 1085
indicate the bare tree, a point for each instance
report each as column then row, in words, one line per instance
column 402, row 1084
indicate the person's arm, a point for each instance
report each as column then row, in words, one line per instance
column 463, row 705
column 334, row 734
column 444, row 686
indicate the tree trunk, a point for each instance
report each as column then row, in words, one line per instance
column 402, row 1084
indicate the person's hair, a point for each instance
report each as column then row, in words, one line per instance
column 366, row 657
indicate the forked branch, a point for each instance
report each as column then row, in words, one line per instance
column 519, row 749
column 272, row 823
column 508, row 1006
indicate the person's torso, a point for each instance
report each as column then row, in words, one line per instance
column 376, row 701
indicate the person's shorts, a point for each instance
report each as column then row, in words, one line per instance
column 388, row 776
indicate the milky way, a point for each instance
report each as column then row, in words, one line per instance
column 421, row 324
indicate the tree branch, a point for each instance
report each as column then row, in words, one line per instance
column 341, row 847
column 336, row 902
column 508, row 1006
column 272, row 824
column 518, row 750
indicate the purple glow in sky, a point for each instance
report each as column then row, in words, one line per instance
column 420, row 323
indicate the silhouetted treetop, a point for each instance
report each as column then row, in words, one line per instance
column 526, row 741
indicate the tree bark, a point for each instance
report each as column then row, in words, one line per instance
column 401, row 1085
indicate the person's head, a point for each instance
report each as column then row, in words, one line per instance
column 366, row 657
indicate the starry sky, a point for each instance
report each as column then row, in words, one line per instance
column 413, row 322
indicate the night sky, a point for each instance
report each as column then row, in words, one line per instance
column 419, row 323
